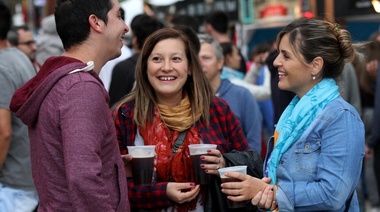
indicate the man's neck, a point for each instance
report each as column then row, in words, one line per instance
column 4, row 44
column 221, row 38
column 85, row 54
column 215, row 83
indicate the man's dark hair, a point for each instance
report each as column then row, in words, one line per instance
column 144, row 25
column 261, row 48
column 186, row 20
column 227, row 48
column 219, row 21
column 5, row 20
column 193, row 37
column 71, row 17
column 13, row 35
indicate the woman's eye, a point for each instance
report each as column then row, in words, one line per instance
column 156, row 59
column 177, row 59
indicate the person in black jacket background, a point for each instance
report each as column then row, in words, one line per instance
column 280, row 98
column 123, row 74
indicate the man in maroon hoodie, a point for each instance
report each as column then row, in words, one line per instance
column 75, row 158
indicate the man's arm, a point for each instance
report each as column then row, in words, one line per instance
column 83, row 113
column 5, row 134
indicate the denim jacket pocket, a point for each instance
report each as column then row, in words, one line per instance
column 307, row 154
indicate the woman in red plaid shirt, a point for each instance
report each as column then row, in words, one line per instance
column 172, row 95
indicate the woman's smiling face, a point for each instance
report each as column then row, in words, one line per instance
column 294, row 74
column 168, row 70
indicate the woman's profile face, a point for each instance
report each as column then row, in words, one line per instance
column 168, row 70
column 293, row 74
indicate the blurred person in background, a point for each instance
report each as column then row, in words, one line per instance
column 350, row 91
column 367, row 80
column 349, row 87
column 368, row 86
column 259, row 74
column 22, row 38
column 17, row 191
column 242, row 103
column 232, row 60
column 48, row 43
column 185, row 20
column 217, row 25
column 374, row 140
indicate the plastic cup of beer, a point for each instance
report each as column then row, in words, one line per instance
column 225, row 179
column 196, row 151
column 142, row 164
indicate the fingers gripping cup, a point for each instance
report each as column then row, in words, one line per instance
column 196, row 151
column 225, row 179
column 142, row 164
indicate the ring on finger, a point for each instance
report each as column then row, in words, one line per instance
column 217, row 167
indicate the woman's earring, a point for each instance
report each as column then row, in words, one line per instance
column 313, row 77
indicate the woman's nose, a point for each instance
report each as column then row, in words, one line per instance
column 166, row 67
column 277, row 61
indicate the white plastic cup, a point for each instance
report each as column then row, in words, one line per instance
column 196, row 151
column 240, row 169
column 224, row 178
column 200, row 149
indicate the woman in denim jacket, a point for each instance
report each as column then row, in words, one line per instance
column 318, row 143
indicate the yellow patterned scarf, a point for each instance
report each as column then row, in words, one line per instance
column 178, row 118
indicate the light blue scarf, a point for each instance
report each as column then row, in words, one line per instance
column 229, row 73
column 297, row 117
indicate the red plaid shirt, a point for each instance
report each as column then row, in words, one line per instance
column 224, row 130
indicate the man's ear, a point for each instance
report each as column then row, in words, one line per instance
column 95, row 23
column 227, row 59
column 208, row 28
column 220, row 63
column 135, row 43
column 317, row 65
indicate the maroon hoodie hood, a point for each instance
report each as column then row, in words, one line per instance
column 26, row 101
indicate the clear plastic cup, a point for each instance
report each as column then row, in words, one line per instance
column 142, row 164
column 225, row 179
column 196, row 151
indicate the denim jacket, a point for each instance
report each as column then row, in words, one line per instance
column 320, row 171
